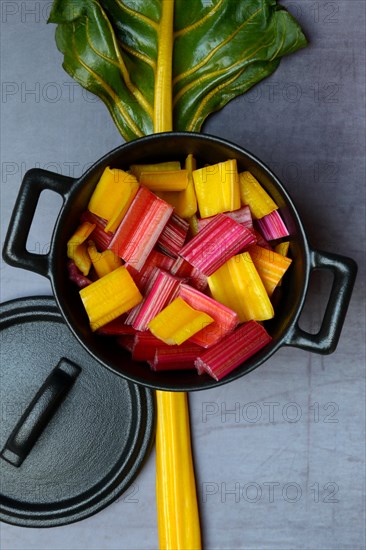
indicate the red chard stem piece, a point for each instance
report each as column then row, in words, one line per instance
column 141, row 227
column 233, row 350
column 173, row 236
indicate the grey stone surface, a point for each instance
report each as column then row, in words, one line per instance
column 280, row 454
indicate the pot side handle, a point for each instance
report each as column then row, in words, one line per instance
column 325, row 341
column 34, row 182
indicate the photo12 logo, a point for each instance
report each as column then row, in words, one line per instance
column 326, row 13
column 25, row 11
column 269, row 412
column 30, row 12
column 14, row 170
column 268, row 491
column 48, row 92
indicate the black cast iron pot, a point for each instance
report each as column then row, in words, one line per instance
column 290, row 296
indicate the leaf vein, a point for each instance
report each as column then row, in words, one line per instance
column 209, row 96
column 206, row 59
column 108, row 90
column 213, row 74
column 142, row 57
column 138, row 15
column 121, row 64
column 200, row 22
column 282, row 41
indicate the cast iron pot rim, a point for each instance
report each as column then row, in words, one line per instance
column 262, row 355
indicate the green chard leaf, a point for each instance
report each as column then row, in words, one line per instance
column 114, row 48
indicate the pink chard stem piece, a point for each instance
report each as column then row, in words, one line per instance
column 225, row 320
column 242, row 216
column 163, row 291
column 133, row 313
column 221, row 239
column 142, row 277
column 272, row 226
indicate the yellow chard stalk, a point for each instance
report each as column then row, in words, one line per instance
column 176, row 498
column 178, row 519
column 163, row 111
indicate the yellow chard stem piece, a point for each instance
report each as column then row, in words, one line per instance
column 237, row 285
column 112, row 196
column 109, row 297
column 184, row 202
column 173, row 181
column 253, row 194
column 77, row 247
column 217, row 188
column 282, row 248
column 103, row 262
column 177, row 322
column 189, row 199
column 178, row 519
column 138, row 169
column 163, row 105
column 193, row 225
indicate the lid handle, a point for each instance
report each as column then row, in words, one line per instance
column 40, row 411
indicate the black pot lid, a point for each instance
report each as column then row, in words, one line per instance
column 73, row 434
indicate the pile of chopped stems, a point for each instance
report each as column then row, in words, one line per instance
column 184, row 257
